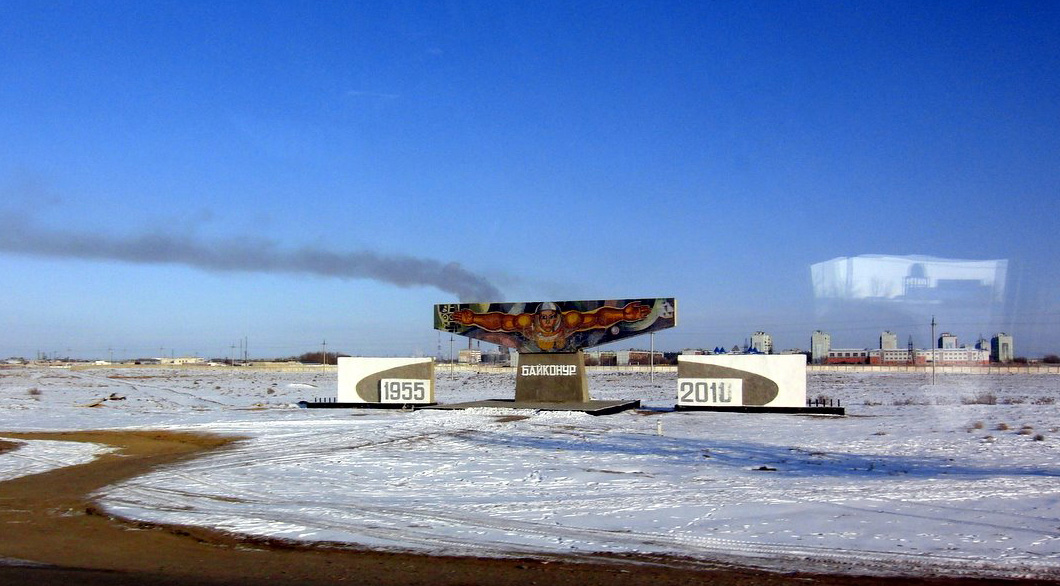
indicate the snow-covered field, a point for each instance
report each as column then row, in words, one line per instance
column 960, row 477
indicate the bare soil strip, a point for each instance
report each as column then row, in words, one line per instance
column 7, row 446
column 48, row 519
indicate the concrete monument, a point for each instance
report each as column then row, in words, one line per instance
column 550, row 336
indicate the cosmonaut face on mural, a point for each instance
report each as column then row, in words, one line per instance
column 547, row 317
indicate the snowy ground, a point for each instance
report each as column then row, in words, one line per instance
column 960, row 477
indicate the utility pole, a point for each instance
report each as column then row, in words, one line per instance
column 324, row 351
column 651, row 359
column 934, row 355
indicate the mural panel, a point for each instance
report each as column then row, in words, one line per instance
column 556, row 326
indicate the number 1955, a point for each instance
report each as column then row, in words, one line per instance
column 397, row 390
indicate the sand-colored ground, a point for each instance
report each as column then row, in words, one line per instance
column 7, row 446
column 48, row 519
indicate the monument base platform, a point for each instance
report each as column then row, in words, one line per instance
column 591, row 407
column 337, row 405
column 751, row 409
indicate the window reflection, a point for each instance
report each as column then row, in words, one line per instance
column 903, row 293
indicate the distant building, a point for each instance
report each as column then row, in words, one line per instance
column 470, row 356
column 891, row 356
column 947, row 341
column 820, row 344
column 500, row 357
column 600, row 358
column 182, row 360
column 847, row 356
column 948, row 357
column 888, row 341
column 608, row 358
column 1001, row 348
column 762, row 342
column 953, row 357
column 637, row 357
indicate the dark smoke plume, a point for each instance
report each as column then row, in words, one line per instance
column 18, row 236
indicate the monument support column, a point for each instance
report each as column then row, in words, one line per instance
column 551, row 378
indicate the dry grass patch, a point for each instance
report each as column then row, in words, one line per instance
column 984, row 398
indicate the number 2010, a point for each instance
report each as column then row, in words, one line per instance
column 403, row 391
column 705, row 392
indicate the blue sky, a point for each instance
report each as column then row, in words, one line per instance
column 155, row 153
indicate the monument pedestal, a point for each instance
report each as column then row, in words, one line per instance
column 551, row 378
column 550, row 382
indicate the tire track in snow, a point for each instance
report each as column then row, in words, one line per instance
column 404, row 529
column 470, row 528
column 139, row 384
